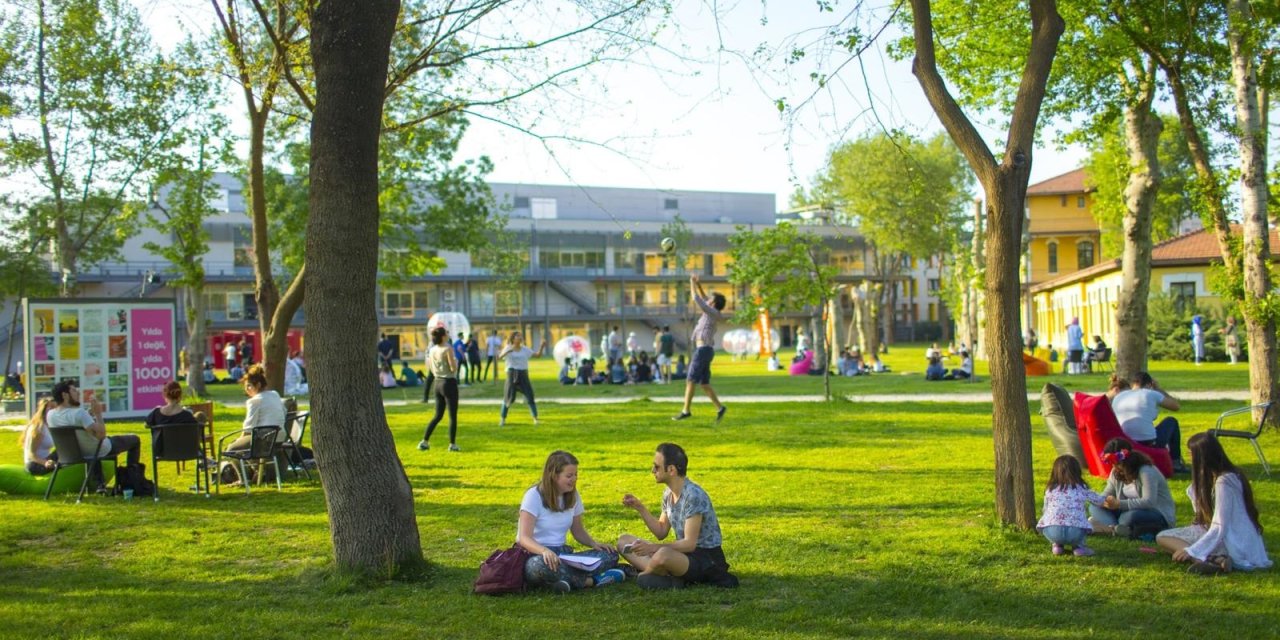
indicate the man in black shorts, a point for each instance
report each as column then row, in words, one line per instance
column 695, row 556
column 704, row 337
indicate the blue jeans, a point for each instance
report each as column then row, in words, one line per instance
column 1168, row 435
column 536, row 571
column 1138, row 520
column 1058, row 534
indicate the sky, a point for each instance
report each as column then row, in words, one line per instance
column 705, row 116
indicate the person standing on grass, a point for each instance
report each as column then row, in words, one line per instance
column 443, row 363
column 229, row 353
column 492, row 345
column 1075, row 346
column 704, row 337
column 1197, row 338
column 517, row 356
column 666, row 353
column 615, row 344
column 1137, row 410
column 473, row 359
column 1063, row 521
column 550, row 510
column 1231, row 339
column 460, row 355
column 1137, row 498
column 696, row 555
column 1227, row 533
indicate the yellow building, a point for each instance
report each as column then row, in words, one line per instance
column 1179, row 267
column 1064, row 237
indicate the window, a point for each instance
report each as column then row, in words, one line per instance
column 934, row 284
column 520, row 202
column 1079, row 202
column 1184, row 295
column 242, row 245
column 1053, row 257
column 1064, row 199
column 670, row 204
column 543, row 208
column 1084, row 254
column 397, row 304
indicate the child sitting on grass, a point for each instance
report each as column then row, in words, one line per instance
column 1064, row 522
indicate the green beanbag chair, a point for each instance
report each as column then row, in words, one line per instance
column 1060, row 419
column 14, row 479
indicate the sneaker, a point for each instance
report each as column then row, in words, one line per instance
column 1212, row 566
column 655, row 581
column 535, row 421
column 1083, row 551
column 1147, row 537
column 454, row 447
column 1058, row 550
column 502, row 422
column 1123, row 531
column 609, row 577
column 1180, row 467
column 423, row 446
column 720, row 413
column 682, row 415
column 561, row 586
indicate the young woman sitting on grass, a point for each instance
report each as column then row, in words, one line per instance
column 1063, row 521
column 37, row 443
column 1138, row 498
column 1226, row 533
column 549, row 510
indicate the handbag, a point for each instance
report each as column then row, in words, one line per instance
column 503, row 572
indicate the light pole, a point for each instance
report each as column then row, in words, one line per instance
column 149, row 277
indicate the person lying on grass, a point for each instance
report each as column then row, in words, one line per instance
column 1226, row 533
column 1063, row 521
column 696, row 555
column 549, row 510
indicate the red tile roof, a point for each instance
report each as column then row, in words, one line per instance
column 1069, row 182
column 1196, row 247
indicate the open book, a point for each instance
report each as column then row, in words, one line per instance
column 586, row 563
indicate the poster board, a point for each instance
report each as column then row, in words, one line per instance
column 119, row 351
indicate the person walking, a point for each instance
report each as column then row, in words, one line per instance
column 444, row 366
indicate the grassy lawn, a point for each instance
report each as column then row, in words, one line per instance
column 841, row 520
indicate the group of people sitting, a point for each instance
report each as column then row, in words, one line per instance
column 935, row 370
column 553, row 509
column 1225, row 533
column 638, row 369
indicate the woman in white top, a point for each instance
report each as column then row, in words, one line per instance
column 517, row 356
column 550, row 510
column 444, row 366
column 1226, row 533
column 37, row 443
column 264, row 408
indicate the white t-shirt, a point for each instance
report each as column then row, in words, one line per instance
column 79, row 417
column 229, row 353
column 495, row 345
column 1136, row 410
column 519, row 358
column 549, row 527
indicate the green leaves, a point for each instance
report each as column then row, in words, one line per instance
column 785, row 269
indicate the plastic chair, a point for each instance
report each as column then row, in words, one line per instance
column 262, row 447
column 177, row 443
column 67, row 444
column 291, row 447
column 1102, row 361
column 1251, row 436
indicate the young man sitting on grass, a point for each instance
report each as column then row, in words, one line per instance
column 695, row 556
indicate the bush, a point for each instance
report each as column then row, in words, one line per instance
column 1169, row 332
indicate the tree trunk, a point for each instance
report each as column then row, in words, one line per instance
column 196, row 347
column 1005, row 187
column 369, row 499
column 826, row 348
column 873, row 292
column 1142, row 136
column 1260, row 320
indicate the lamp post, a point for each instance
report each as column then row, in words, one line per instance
column 148, row 277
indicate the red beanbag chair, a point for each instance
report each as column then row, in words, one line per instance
column 1097, row 425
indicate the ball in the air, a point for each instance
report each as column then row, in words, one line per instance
column 668, row 245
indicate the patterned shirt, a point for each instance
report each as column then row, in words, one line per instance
column 693, row 501
column 1064, row 507
column 705, row 331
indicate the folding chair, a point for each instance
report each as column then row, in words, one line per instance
column 67, row 444
column 176, row 443
column 291, row 448
column 1102, row 361
column 1251, row 436
column 262, row 448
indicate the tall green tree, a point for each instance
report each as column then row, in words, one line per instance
column 784, row 269
column 90, row 108
column 904, row 195
column 23, row 270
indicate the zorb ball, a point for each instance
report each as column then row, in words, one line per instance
column 736, row 342
column 753, row 345
column 572, row 347
column 452, row 321
column 668, row 245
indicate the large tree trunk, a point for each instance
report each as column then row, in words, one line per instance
column 1259, row 320
column 369, row 499
column 973, row 295
column 1005, row 186
column 1142, row 136
column 873, row 292
column 196, row 347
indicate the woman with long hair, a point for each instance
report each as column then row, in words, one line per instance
column 550, row 510
column 1137, row 497
column 263, row 408
column 1226, row 533
column 443, row 363
column 517, row 356
column 37, row 443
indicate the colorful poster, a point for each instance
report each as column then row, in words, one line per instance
column 151, row 355
column 118, row 320
column 118, row 347
column 68, row 321
column 93, row 349
column 69, row 348
column 44, row 349
column 43, row 320
column 91, row 321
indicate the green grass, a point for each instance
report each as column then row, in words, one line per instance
column 841, row 520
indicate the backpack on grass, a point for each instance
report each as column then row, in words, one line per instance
column 503, row 572
column 134, row 476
